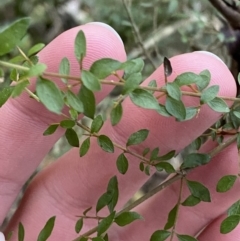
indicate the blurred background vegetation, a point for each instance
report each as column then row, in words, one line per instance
column 150, row 29
column 166, row 27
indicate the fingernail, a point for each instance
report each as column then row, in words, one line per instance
column 106, row 26
column 210, row 54
column 2, row 237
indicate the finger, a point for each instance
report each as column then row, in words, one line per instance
column 68, row 184
column 23, row 120
column 212, row 232
column 156, row 210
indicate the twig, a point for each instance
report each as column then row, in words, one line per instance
column 177, row 211
column 137, row 34
column 163, row 185
column 230, row 14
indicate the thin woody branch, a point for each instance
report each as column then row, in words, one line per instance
column 232, row 16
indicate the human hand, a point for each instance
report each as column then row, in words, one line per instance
column 72, row 184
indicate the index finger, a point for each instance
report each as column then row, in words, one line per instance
column 23, row 120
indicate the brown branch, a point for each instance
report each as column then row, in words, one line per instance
column 232, row 16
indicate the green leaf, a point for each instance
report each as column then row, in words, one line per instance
column 219, row 105
column 21, row 232
column 12, row 35
column 105, row 143
column 103, row 201
column 229, row 223
column 237, row 114
column 97, row 124
column 97, row 239
column 162, row 111
column 195, row 160
column 116, row 114
column 167, row 156
column 144, row 99
column 234, row 209
column 209, row 94
column 74, row 101
column 64, row 68
column 88, row 99
column 190, row 113
column 132, row 66
column 154, row 154
column 50, row 95
column 147, row 170
column 47, row 230
column 79, row 225
column 205, row 79
column 80, row 46
column 50, row 130
column 176, row 108
column 238, row 78
column 83, row 239
column 160, row 235
column 183, row 237
column 122, row 163
column 73, row 114
column 137, row 137
column 84, row 147
column 174, row 91
column 90, row 81
column 152, row 83
column 199, row 190
column 19, row 88
column 141, row 166
column 113, row 189
column 72, row 137
column 126, row 218
column 187, row 78
column 5, row 93
column 36, row 70
column 171, row 218
column 165, row 166
column 104, row 67
column 145, row 151
column 106, row 237
column 226, row 183
column 191, row 201
column 132, row 82
column 104, row 225
column 35, row 49
column 68, row 124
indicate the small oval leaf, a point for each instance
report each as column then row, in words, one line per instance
column 47, row 230
column 126, row 218
column 72, row 137
column 226, row 183
column 105, row 143
column 160, row 235
column 137, row 137
column 122, row 164
column 79, row 225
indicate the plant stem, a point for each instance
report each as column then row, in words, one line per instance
column 137, row 34
column 112, row 82
column 15, row 66
column 124, row 149
column 163, row 185
column 32, row 94
column 177, row 211
column 138, row 202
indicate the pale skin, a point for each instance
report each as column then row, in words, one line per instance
column 72, row 184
